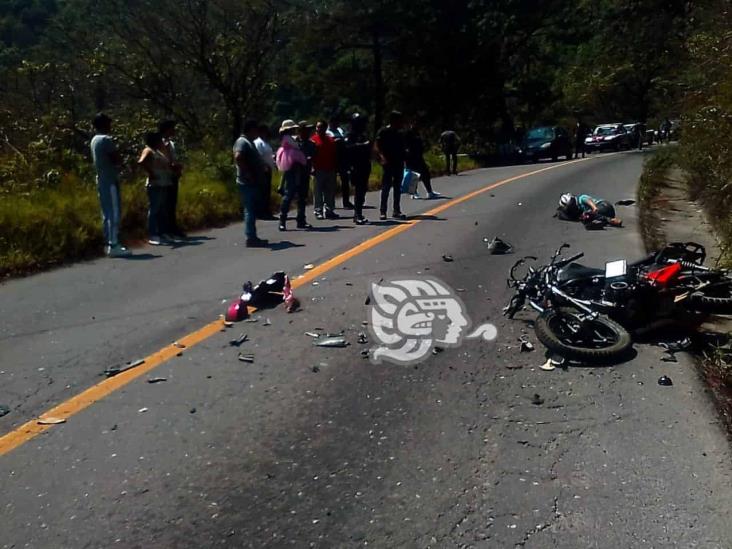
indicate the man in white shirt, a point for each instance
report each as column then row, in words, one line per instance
column 264, row 149
column 337, row 133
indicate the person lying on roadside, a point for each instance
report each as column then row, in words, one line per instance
column 574, row 207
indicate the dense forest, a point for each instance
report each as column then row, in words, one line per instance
column 484, row 68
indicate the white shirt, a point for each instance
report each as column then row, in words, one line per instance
column 265, row 151
column 336, row 133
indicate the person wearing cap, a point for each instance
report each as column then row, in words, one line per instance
column 324, row 167
column 391, row 152
column 107, row 162
column 264, row 209
column 293, row 164
column 358, row 149
column 166, row 128
column 249, row 181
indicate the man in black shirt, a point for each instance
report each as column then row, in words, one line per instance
column 391, row 153
column 358, row 156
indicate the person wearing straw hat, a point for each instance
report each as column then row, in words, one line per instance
column 293, row 164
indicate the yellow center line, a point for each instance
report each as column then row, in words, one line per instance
column 27, row 431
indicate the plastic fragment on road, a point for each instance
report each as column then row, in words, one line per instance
column 4, row 410
column 362, row 339
column 312, row 334
column 309, row 266
column 437, row 350
column 246, row 358
column 315, row 369
column 115, row 370
column 267, row 322
column 665, row 381
column 292, row 304
column 496, row 246
column 331, row 341
column 142, row 410
column 239, row 340
column 178, row 345
column 447, row 258
column 157, row 379
column 526, row 345
column 676, row 346
column 536, row 400
column 50, row 420
column 548, row 366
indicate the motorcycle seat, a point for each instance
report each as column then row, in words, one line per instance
column 575, row 271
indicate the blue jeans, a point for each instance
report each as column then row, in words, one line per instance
column 110, row 203
column 249, row 198
column 294, row 184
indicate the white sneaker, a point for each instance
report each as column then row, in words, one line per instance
column 434, row 195
column 118, row 251
column 415, row 196
column 154, row 241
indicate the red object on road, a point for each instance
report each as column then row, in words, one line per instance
column 237, row 311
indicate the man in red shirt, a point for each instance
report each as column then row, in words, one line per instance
column 324, row 166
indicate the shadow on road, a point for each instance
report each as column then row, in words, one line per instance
column 283, row 245
column 423, row 217
column 139, row 257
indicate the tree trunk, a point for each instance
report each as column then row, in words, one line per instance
column 379, row 93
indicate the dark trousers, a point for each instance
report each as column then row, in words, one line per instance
column 171, row 204
column 421, row 167
column 158, row 198
column 451, row 162
column 294, row 185
column 360, row 182
column 579, row 148
column 345, row 186
column 264, row 207
column 392, row 180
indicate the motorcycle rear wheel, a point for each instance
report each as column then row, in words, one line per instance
column 600, row 340
column 716, row 299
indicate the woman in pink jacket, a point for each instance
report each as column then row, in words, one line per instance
column 292, row 163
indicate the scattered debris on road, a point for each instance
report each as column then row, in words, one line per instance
column 178, row 345
column 316, row 369
column 312, row 334
column 548, row 366
column 142, row 410
column 239, row 340
column 676, row 346
column 365, row 353
column 192, row 411
column 115, row 370
column 665, row 381
column 51, row 421
column 536, row 400
column 246, row 358
column 228, row 323
column 526, row 345
column 4, row 410
column 496, row 246
column 157, row 379
column 331, row 341
column 625, row 202
column 447, row 258
column 362, row 339
column 267, row 322
column 437, row 350
column 309, row 266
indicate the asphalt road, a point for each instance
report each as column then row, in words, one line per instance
column 277, row 453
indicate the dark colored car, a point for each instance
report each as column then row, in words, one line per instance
column 546, row 142
column 608, row 137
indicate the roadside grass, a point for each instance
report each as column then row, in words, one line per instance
column 44, row 226
column 653, row 178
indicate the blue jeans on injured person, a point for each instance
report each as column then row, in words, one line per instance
column 110, row 202
column 249, row 199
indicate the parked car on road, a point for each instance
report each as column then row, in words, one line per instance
column 546, row 142
column 608, row 137
column 631, row 130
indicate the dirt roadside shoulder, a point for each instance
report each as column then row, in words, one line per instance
column 668, row 215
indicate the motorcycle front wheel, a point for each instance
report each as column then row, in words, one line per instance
column 599, row 340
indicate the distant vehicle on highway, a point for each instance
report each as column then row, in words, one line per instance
column 648, row 135
column 608, row 137
column 546, row 142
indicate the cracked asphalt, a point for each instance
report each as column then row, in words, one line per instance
column 313, row 447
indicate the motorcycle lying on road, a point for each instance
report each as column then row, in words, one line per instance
column 588, row 314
